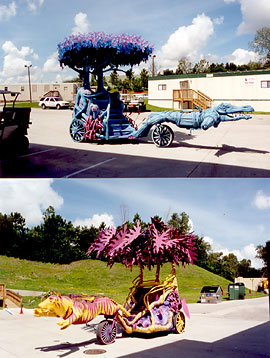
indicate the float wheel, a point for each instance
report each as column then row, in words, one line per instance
column 77, row 130
column 106, row 331
column 179, row 322
column 162, row 135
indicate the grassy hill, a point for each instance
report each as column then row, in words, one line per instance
column 95, row 278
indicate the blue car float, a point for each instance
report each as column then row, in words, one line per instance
column 99, row 115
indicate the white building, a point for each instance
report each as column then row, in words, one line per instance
column 66, row 90
column 238, row 88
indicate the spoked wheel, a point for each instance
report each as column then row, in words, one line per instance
column 179, row 322
column 106, row 332
column 77, row 130
column 162, row 135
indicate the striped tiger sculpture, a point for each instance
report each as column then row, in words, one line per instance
column 76, row 310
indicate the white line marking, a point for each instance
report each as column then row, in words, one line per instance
column 34, row 153
column 92, row 166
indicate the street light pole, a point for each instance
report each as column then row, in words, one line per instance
column 30, row 92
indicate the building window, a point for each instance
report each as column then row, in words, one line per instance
column 162, row 87
column 265, row 84
column 22, row 88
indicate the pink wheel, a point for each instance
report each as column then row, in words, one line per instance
column 106, row 332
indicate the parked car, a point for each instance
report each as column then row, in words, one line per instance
column 53, row 102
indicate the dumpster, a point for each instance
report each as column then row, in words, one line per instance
column 237, row 291
column 211, row 294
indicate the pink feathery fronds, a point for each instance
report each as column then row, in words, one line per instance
column 161, row 241
column 102, row 241
column 123, row 239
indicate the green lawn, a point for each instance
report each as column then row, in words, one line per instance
column 25, row 104
column 95, row 278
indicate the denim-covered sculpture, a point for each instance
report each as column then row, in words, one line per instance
column 99, row 115
column 113, row 124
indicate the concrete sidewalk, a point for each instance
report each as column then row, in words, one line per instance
column 233, row 328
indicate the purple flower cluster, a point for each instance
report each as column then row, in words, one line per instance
column 122, row 45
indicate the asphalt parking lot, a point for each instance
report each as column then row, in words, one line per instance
column 238, row 329
column 234, row 149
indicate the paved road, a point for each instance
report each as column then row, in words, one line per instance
column 236, row 149
column 229, row 329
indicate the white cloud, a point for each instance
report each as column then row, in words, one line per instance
column 29, row 197
column 262, row 201
column 14, row 63
column 241, row 56
column 248, row 252
column 52, row 64
column 219, row 20
column 95, row 220
column 81, row 22
column 7, row 11
column 33, row 5
column 186, row 41
column 255, row 14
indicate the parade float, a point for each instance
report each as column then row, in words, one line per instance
column 98, row 115
column 151, row 305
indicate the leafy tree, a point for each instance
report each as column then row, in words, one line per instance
column 261, row 41
column 144, row 75
column 54, row 240
column 217, row 67
column 114, row 79
column 230, row 266
column 184, row 66
column 246, row 270
column 12, row 234
column 168, row 72
column 263, row 253
column 136, row 84
column 203, row 250
column 230, row 67
column 180, row 222
column 201, row 67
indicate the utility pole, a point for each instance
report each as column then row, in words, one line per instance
column 30, row 92
column 153, row 65
column 268, row 270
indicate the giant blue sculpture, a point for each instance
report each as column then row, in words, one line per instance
column 99, row 115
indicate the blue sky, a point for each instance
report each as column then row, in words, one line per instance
column 232, row 214
column 218, row 30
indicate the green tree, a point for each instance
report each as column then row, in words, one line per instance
column 184, row 66
column 201, row 67
column 203, row 250
column 263, row 253
column 261, row 41
column 168, row 72
column 230, row 67
column 114, row 79
column 216, row 67
column 54, row 240
column 230, row 265
column 215, row 262
column 180, row 222
column 13, row 234
column 144, row 76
